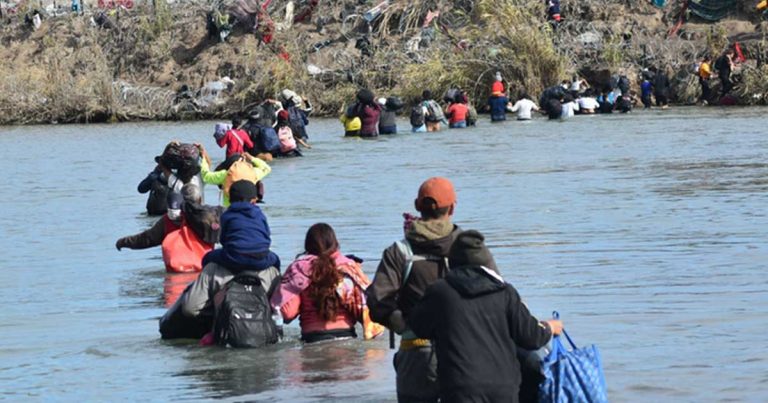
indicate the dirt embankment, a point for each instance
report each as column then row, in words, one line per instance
column 136, row 65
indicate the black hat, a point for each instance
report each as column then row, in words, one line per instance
column 365, row 96
column 243, row 190
column 469, row 250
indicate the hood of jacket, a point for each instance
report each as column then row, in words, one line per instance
column 204, row 220
column 433, row 237
column 474, row 281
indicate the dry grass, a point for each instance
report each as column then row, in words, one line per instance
column 73, row 72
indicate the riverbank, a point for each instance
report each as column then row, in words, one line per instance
column 136, row 65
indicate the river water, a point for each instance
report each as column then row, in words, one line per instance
column 647, row 232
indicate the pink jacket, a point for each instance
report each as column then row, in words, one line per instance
column 292, row 298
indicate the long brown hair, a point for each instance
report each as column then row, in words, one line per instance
column 321, row 242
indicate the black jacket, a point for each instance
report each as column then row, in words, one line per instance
column 476, row 322
column 158, row 193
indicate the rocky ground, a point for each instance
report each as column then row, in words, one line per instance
column 135, row 66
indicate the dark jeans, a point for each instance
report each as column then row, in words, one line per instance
column 706, row 92
column 646, row 100
column 725, row 80
column 388, row 130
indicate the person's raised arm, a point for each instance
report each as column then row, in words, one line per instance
column 212, row 178
column 262, row 168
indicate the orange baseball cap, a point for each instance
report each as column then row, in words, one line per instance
column 438, row 189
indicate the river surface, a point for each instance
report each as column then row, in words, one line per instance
column 647, row 232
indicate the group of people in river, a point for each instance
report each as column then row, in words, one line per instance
column 369, row 116
column 438, row 282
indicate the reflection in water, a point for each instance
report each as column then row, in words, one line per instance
column 232, row 372
column 175, row 284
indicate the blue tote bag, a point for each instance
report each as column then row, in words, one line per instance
column 572, row 376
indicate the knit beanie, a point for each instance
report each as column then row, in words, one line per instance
column 469, row 250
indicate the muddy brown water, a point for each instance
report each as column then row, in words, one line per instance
column 646, row 231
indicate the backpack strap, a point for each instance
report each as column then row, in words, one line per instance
column 237, row 136
column 405, row 249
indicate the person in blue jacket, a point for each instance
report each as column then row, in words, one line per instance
column 498, row 103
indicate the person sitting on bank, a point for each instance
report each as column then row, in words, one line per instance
column 324, row 289
column 225, row 170
column 245, row 240
column 154, row 183
column 478, row 322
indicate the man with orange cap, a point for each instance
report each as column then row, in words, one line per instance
column 406, row 269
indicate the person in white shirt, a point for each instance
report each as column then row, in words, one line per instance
column 569, row 106
column 577, row 85
column 523, row 107
column 588, row 104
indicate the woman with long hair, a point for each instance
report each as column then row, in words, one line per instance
column 325, row 290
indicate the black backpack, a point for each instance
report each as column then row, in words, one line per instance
column 244, row 318
column 417, row 116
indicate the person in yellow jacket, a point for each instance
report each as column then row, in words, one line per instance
column 705, row 73
column 352, row 125
column 219, row 175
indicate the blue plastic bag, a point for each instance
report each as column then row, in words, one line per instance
column 572, row 376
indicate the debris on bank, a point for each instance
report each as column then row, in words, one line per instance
column 110, row 60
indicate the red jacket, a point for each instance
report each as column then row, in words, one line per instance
column 236, row 141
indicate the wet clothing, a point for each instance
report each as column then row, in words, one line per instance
column 554, row 108
column 415, row 365
column 588, row 103
column 388, row 122
column 245, row 241
column 191, row 316
column 297, row 119
column 457, row 113
column 498, row 108
column 523, row 108
column 154, row 183
column 477, row 321
column 369, row 119
column 352, row 125
column 568, row 109
column 236, row 141
column 661, row 89
column 293, row 299
column 219, row 177
column 646, row 88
